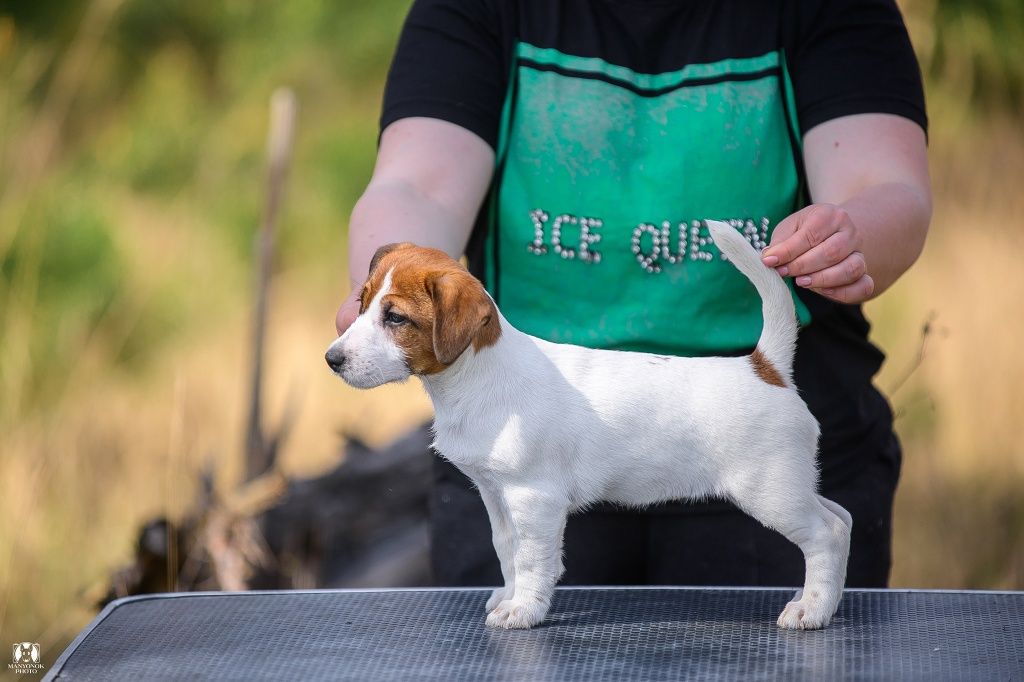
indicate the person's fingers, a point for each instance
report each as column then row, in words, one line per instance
column 343, row 319
column 782, row 232
column 834, row 250
column 858, row 292
column 801, row 232
column 846, row 272
column 347, row 313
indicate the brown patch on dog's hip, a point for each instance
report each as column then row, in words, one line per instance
column 765, row 370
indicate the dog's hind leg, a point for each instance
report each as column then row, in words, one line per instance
column 504, row 545
column 823, row 535
column 825, row 543
column 538, row 523
column 838, row 510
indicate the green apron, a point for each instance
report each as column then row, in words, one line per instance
column 604, row 176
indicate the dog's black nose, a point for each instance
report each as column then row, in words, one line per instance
column 335, row 359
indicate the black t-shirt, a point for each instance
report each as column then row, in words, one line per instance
column 846, row 56
column 581, row 99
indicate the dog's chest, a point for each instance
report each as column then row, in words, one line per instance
column 477, row 439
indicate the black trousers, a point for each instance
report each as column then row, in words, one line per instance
column 709, row 543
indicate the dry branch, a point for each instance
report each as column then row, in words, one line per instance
column 261, row 451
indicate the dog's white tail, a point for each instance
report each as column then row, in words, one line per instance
column 778, row 338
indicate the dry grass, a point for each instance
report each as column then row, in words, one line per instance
column 77, row 483
column 115, row 449
column 960, row 512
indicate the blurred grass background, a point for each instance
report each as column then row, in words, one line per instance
column 131, row 178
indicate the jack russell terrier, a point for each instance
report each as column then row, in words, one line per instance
column 545, row 429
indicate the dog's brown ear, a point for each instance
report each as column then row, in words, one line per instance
column 463, row 314
column 383, row 251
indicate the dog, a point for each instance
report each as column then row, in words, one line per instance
column 545, row 429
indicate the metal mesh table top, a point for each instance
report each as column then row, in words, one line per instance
column 590, row 634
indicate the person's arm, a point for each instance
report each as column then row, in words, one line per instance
column 868, row 178
column 429, row 181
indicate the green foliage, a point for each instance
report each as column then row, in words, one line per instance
column 66, row 268
column 157, row 148
column 52, row 21
column 972, row 57
column 67, row 271
column 979, row 51
column 69, row 243
column 163, row 142
column 343, row 161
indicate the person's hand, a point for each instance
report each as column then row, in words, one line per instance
column 819, row 246
column 348, row 312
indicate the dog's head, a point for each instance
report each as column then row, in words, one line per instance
column 418, row 312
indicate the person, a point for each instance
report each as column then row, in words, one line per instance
column 571, row 148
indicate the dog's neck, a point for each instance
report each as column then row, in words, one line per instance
column 486, row 374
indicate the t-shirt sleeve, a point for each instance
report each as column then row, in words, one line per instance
column 855, row 57
column 449, row 65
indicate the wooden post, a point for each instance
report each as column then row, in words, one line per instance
column 260, row 452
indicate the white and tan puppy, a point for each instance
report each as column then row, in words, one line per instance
column 545, row 429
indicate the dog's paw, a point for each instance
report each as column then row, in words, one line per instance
column 517, row 614
column 806, row 613
column 498, row 596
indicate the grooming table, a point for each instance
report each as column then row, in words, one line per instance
column 591, row 634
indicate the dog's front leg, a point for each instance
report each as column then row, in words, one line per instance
column 504, row 543
column 538, row 523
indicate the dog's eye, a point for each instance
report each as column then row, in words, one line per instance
column 391, row 317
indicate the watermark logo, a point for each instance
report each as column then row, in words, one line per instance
column 25, row 658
